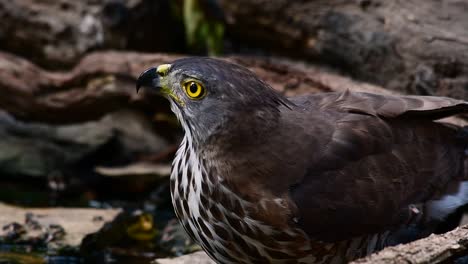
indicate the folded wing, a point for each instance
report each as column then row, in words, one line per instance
column 383, row 155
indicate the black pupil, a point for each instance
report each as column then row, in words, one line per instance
column 193, row 87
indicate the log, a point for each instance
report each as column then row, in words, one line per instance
column 417, row 46
column 444, row 248
column 99, row 84
column 103, row 82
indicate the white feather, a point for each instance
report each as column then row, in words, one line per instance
column 439, row 209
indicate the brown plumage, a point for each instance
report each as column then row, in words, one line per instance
column 387, row 150
column 319, row 178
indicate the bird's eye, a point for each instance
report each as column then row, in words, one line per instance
column 194, row 89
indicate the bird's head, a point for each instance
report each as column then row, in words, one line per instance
column 205, row 93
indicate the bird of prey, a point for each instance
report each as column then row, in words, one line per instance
column 319, row 178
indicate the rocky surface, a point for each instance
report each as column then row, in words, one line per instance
column 33, row 224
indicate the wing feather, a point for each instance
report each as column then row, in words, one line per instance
column 391, row 106
column 383, row 155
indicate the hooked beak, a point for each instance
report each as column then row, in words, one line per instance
column 149, row 78
column 154, row 78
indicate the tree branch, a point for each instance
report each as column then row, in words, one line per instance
column 444, row 248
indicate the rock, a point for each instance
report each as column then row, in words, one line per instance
column 199, row 257
column 76, row 222
column 41, row 150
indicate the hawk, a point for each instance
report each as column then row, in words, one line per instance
column 318, row 178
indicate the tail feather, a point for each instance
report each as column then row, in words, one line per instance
column 439, row 209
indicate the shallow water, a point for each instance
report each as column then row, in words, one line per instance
column 32, row 195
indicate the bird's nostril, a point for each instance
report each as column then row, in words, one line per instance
column 163, row 69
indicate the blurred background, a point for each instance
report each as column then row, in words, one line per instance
column 85, row 161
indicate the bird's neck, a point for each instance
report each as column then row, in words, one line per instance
column 245, row 128
column 219, row 149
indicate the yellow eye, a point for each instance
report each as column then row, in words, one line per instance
column 194, row 89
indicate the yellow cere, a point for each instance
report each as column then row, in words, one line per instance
column 163, row 69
